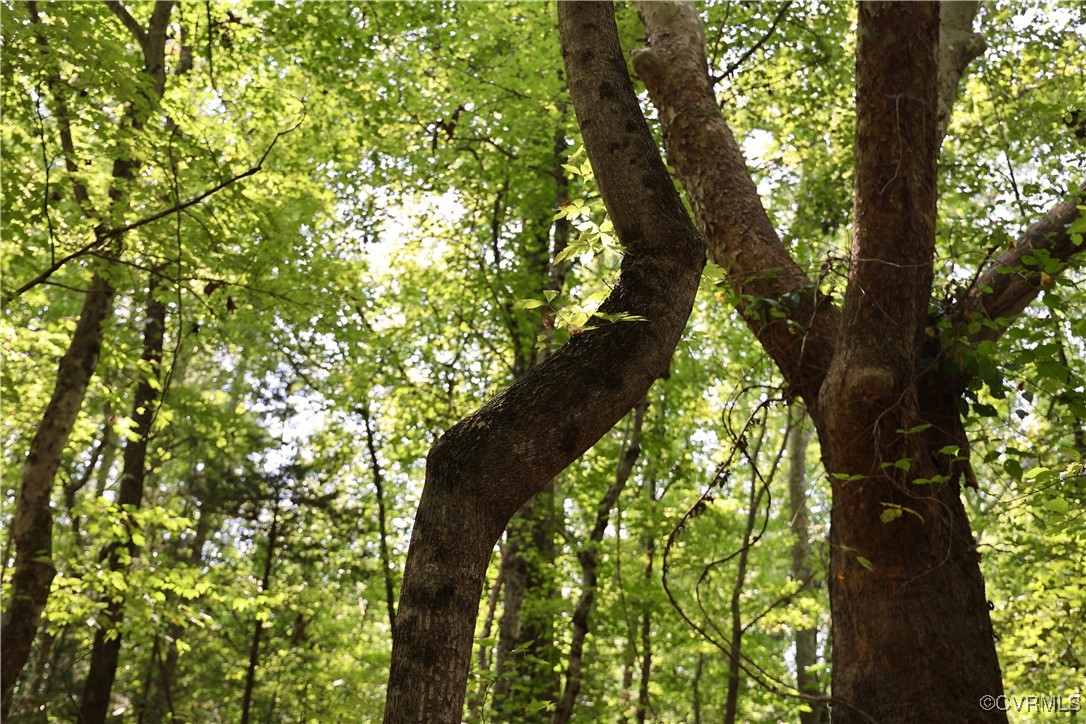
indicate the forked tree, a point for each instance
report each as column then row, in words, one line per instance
column 912, row 637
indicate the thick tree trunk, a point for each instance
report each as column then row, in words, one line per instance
column 911, row 632
column 912, row 637
column 488, row 465
column 107, row 639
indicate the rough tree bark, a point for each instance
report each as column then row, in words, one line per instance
column 485, row 467
column 912, row 636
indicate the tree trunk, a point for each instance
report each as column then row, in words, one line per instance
column 489, row 464
column 382, row 520
column 912, row 639
column 526, row 655
column 32, row 523
column 589, row 559
column 107, row 639
column 258, row 625
column 643, row 703
column 911, row 636
column 32, row 526
column 802, row 573
column 526, row 651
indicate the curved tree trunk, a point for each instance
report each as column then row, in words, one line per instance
column 488, row 465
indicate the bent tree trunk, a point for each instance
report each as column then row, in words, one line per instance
column 485, row 467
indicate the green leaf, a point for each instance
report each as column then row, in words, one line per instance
column 890, row 514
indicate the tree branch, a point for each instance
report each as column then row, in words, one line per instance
column 101, row 237
column 129, row 22
column 958, row 46
column 754, row 48
column 1016, row 277
column 727, row 208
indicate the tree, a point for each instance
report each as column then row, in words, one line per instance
column 881, row 386
column 558, row 409
column 350, row 214
column 880, row 376
column 33, row 523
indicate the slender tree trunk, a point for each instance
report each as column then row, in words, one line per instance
column 649, row 541
column 735, row 611
column 735, row 645
column 806, row 638
column 695, row 703
column 32, row 525
column 158, row 702
column 258, row 625
column 526, row 651
column 643, row 703
column 107, row 639
column 382, row 521
column 43, row 662
column 589, row 559
column 478, row 699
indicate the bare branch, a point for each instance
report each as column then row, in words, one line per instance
column 754, row 48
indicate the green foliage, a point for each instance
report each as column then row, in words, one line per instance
column 392, row 258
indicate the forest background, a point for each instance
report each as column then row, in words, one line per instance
column 257, row 258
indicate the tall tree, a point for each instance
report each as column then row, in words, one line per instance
column 33, row 520
column 806, row 638
column 912, row 637
column 874, row 376
column 107, row 639
column 484, row 468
